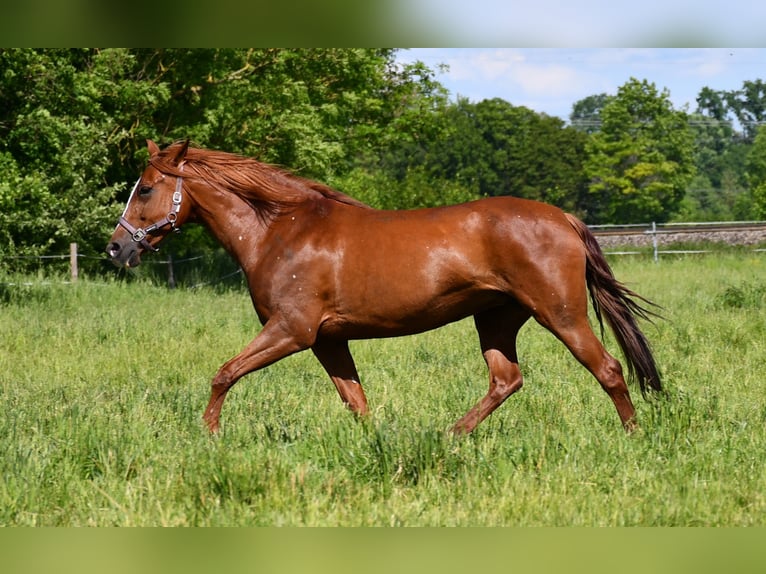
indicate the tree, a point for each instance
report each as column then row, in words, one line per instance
column 315, row 111
column 713, row 104
column 460, row 152
column 416, row 188
column 533, row 155
column 756, row 173
column 641, row 161
column 749, row 106
column 65, row 115
column 73, row 123
column 719, row 191
column 495, row 148
column 586, row 113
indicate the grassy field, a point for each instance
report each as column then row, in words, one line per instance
column 102, row 388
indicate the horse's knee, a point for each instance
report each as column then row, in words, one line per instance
column 222, row 380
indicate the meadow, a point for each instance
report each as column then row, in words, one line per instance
column 102, row 387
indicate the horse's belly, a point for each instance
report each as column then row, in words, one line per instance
column 384, row 317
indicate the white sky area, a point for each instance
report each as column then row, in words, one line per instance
column 586, row 23
column 551, row 80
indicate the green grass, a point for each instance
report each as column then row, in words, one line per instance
column 102, row 389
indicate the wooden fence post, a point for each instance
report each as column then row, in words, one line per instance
column 73, row 261
column 171, row 273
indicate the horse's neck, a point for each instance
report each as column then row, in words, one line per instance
column 233, row 222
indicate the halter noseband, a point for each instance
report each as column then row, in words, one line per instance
column 140, row 234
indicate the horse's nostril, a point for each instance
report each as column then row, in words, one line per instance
column 113, row 249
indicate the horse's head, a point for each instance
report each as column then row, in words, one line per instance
column 157, row 206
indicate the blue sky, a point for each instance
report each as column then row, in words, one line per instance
column 551, row 80
column 582, row 23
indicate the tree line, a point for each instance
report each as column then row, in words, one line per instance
column 73, row 123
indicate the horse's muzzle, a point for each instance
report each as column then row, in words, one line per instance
column 124, row 255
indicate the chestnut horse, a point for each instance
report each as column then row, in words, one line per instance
column 323, row 269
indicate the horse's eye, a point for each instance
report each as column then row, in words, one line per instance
column 144, row 190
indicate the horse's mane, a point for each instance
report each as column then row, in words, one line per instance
column 267, row 187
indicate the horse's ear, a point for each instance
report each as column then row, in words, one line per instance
column 180, row 153
column 153, row 147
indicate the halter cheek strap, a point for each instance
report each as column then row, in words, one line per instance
column 139, row 234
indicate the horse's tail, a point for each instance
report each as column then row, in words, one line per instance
column 618, row 304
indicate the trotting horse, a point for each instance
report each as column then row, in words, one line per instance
column 323, row 269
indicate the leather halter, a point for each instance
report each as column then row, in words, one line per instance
column 139, row 234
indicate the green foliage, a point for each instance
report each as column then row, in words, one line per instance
column 722, row 154
column 720, row 190
column 748, row 104
column 719, row 193
column 533, row 156
column 73, row 124
column 586, row 113
column 306, row 109
column 641, row 161
column 706, row 202
column 66, row 116
column 756, row 173
column 496, row 148
column 416, row 189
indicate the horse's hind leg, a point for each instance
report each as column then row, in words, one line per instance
column 579, row 338
column 339, row 364
column 607, row 370
column 497, row 330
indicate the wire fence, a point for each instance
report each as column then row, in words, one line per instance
column 192, row 272
column 706, row 237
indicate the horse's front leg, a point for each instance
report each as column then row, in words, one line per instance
column 273, row 343
column 339, row 364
